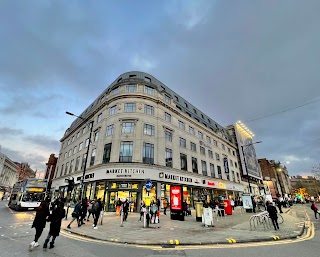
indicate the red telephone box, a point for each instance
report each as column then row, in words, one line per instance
column 227, row 207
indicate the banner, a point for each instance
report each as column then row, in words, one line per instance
column 247, row 202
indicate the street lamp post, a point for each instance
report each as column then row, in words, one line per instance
column 245, row 162
column 87, row 153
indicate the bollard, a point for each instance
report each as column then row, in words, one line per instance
column 144, row 219
column 101, row 214
column 121, row 218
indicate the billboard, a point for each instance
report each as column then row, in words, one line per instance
column 176, row 198
column 247, row 151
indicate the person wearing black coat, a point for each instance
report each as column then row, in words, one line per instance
column 97, row 208
column 55, row 218
column 39, row 222
column 84, row 210
column 272, row 210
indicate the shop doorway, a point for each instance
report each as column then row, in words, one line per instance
column 123, row 195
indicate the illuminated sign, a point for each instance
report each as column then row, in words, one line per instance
column 36, row 189
column 176, row 198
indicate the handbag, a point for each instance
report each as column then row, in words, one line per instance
column 75, row 214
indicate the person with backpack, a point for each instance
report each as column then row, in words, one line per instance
column 97, row 208
column 76, row 214
column 314, row 207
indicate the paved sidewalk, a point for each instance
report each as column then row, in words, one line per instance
column 189, row 232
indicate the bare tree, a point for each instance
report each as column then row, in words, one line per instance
column 316, row 171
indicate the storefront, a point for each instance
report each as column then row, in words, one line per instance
column 121, row 182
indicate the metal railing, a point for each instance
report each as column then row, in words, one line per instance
column 262, row 219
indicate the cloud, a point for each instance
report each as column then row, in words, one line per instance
column 6, row 131
column 43, row 141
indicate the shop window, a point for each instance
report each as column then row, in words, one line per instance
column 219, row 172
column 183, row 161
column 194, row 165
column 212, row 170
column 168, row 157
column 100, row 189
column 107, row 153
column 148, row 153
column 126, row 152
column 204, row 168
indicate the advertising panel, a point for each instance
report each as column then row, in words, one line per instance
column 247, row 152
column 176, row 198
column 247, row 201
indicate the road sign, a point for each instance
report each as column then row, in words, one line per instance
column 148, row 184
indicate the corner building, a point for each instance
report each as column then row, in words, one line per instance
column 143, row 130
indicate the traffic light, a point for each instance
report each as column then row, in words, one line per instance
column 70, row 185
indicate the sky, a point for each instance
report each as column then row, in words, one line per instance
column 234, row 60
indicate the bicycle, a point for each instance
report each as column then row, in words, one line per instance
column 280, row 219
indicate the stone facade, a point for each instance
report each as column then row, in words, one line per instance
column 8, row 174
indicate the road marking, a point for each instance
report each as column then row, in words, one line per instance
column 171, row 241
column 231, row 240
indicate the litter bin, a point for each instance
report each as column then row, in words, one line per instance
column 199, row 211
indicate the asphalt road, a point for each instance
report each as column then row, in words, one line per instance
column 16, row 235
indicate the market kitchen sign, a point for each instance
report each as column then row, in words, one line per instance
column 125, row 171
column 174, row 177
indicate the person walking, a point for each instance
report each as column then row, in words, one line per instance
column 314, row 207
column 185, row 208
column 165, row 206
column 58, row 213
column 272, row 210
column 142, row 210
column 125, row 208
column 158, row 203
column 76, row 214
column 279, row 203
column 39, row 222
column 84, row 210
column 90, row 210
column 97, row 208
column 232, row 204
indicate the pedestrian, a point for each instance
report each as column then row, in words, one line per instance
column 118, row 206
column 55, row 218
column 39, row 222
column 84, row 210
column 272, row 210
column 125, row 208
column 185, row 208
column 142, row 210
column 90, row 210
column 232, row 204
column 97, row 208
column 158, row 204
column 314, row 207
column 279, row 203
column 153, row 211
column 165, row 206
column 76, row 214
column 254, row 204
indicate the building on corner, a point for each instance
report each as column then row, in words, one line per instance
column 143, row 130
